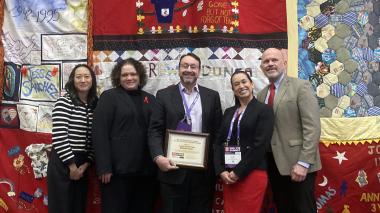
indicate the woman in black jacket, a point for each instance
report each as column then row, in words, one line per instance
column 239, row 153
column 125, row 169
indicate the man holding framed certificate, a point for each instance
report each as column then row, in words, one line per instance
column 181, row 133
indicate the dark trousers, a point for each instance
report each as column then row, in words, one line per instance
column 129, row 194
column 65, row 195
column 290, row 196
column 195, row 194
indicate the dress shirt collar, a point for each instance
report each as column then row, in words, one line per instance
column 182, row 88
column 279, row 80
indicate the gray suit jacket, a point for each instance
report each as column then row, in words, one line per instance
column 297, row 125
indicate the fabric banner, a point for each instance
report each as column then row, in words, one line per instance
column 9, row 116
column 188, row 23
column 347, row 131
column 246, row 17
column 40, row 83
column 11, row 82
column 63, row 47
column 218, row 64
column 339, row 52
column 25, row 21
column 350, row 178
column 348, row 182
column 21, row 189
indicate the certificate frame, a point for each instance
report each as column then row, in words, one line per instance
column 187, row 149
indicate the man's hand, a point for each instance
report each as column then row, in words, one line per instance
column 298, row 173
column 165, row 164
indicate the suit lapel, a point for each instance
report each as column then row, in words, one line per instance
column 281, row 92
column 177, row 101
column 262, row 95
column 205, row 107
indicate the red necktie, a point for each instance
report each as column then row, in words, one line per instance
column 272, row 92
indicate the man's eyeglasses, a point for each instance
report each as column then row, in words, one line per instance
column 189, row 66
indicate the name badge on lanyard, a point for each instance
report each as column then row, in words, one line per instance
column 232, row 154
column 185, row 123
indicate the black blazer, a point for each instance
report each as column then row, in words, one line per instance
column 256, row 128
column 119, row 140
column 169, row 111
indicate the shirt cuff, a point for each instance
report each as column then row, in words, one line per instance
column 155, row 158
column 306, row 165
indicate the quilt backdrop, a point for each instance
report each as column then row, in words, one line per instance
column 39, row 39
column 338, row 52
column 336, row 41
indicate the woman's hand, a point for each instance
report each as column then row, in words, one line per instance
column 225, row 176
column 105, row 178
column 75, row 172
column 83, row 167
column 233, row 176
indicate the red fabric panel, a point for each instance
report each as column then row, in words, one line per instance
column 262, row 16
column 342, row 189
column 22, row 179
column 255, row 16
column 117, row 17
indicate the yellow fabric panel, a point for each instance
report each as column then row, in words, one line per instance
column 292, row 23
column 350, row 130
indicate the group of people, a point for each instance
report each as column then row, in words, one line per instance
column 269, row 140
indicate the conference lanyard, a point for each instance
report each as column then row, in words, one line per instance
column 238, row 128
column 188, row 109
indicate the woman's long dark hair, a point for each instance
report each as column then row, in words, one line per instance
column 92, row 98
column 237, row 103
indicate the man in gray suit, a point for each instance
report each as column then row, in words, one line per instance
column 294, row 157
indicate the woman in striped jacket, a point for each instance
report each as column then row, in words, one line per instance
column 72, row 151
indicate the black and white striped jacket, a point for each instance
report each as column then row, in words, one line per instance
column 71, row 133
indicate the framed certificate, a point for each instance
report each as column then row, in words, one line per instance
column 187, row 149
